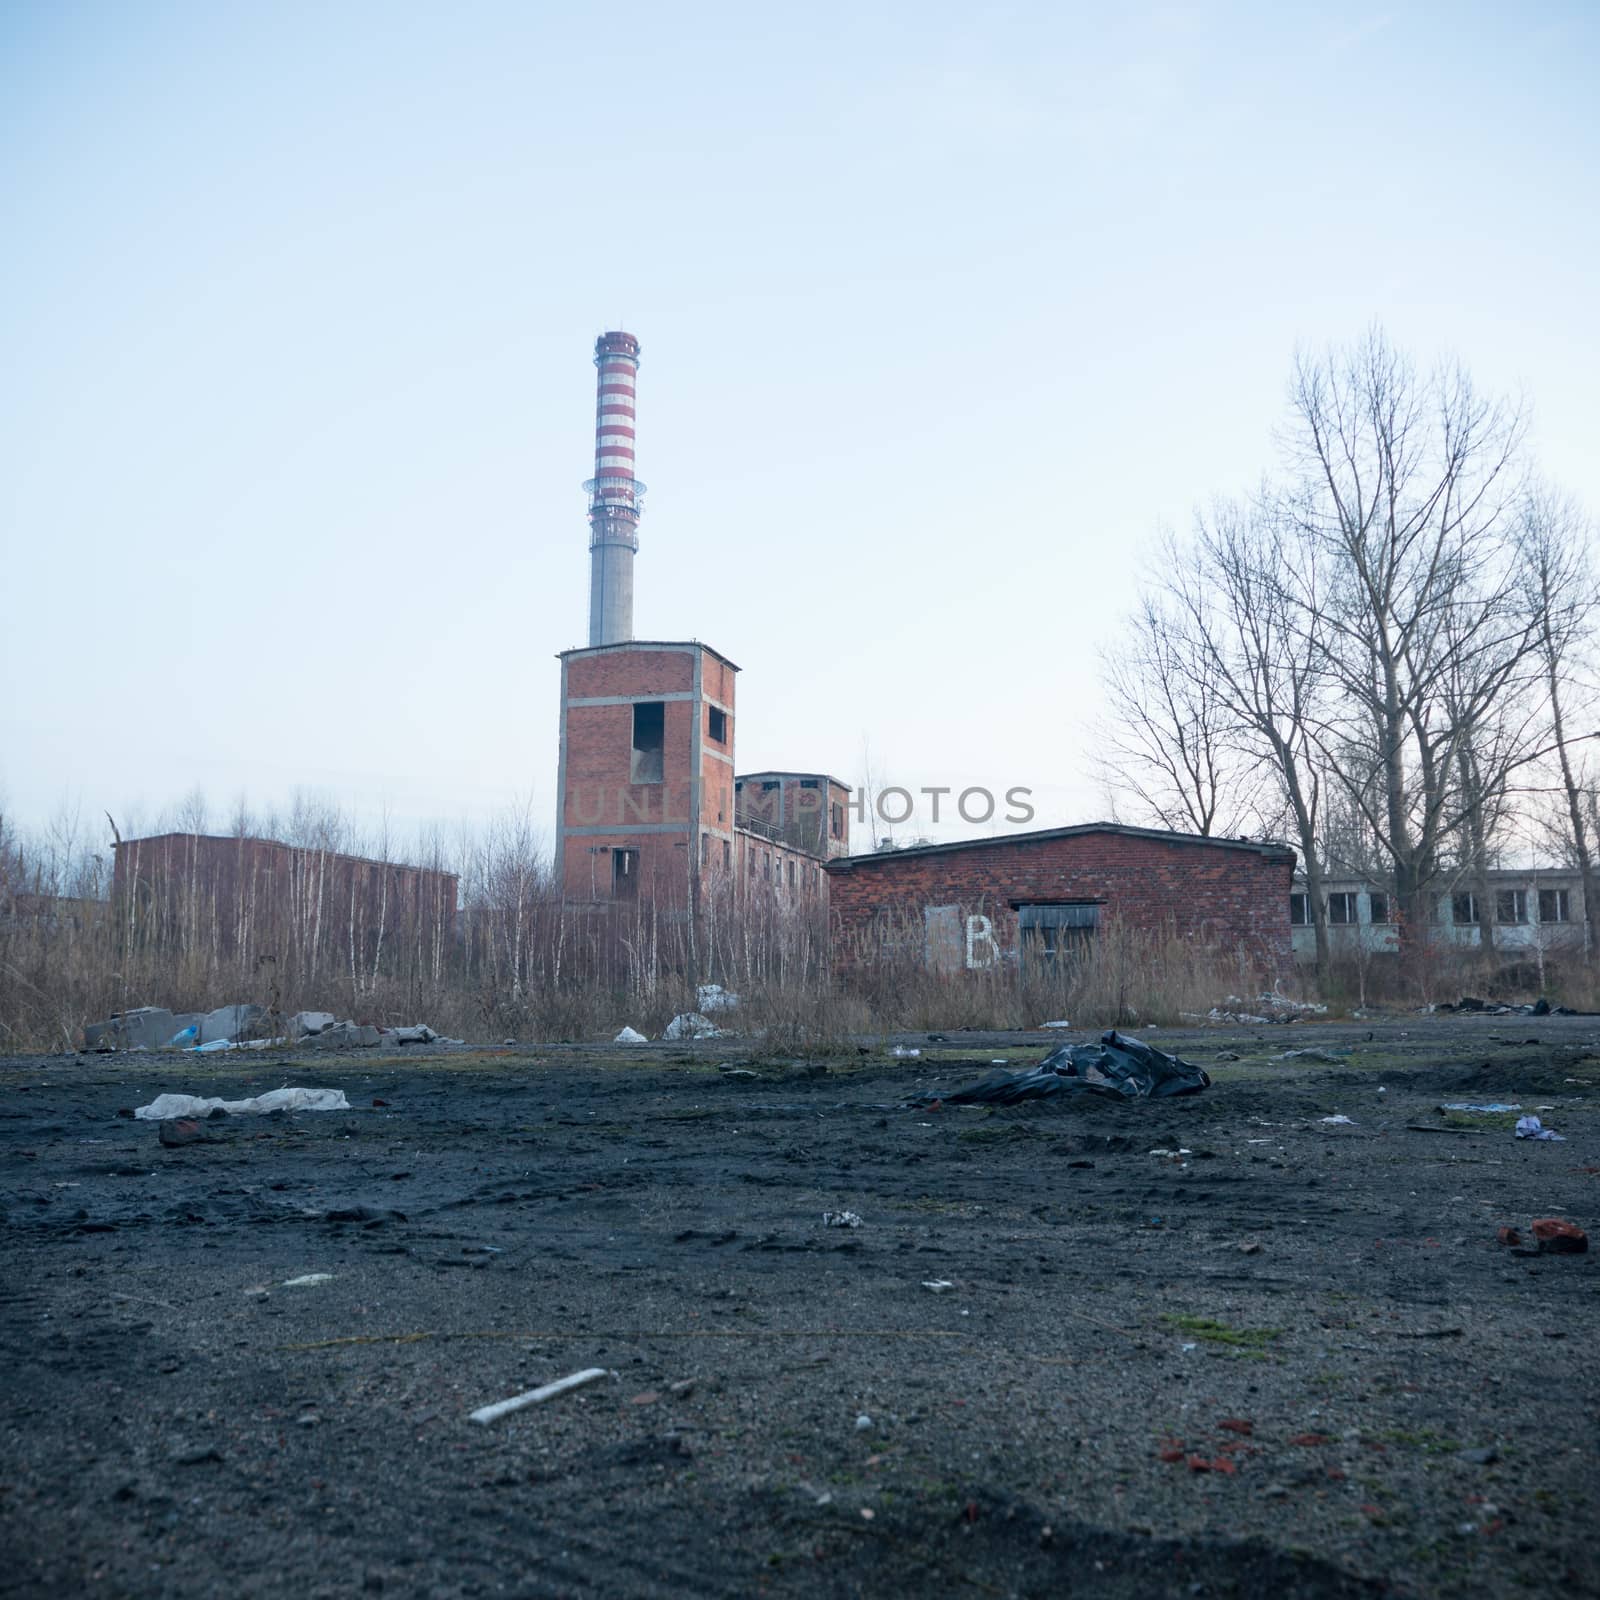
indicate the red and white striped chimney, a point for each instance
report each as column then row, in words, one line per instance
column 614, row 493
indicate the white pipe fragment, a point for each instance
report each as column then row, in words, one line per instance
column 533, row 1397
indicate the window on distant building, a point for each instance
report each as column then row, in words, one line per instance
column 727, row 855
column 836, row 820
column 649, row 737
column 1380, row 908
column 1555, row 905
column 1511, row 905
column 1464, row 909
column 625, row 874
column 1342, row 908
column 705, row 849
column 716, row 725
column 1299, row 911
column 791, row 874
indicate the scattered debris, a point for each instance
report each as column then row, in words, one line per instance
column 1559, row 1238
column 305, row 1280
column 165, row 1106
column 186, row 1131
column 1488, row 1106
column 863, row 1423
column 630, row 1036
column 1063, row 1023
column 533, row 1397
column 713, row 997
column 902, row 1051
column 1509, row 1237
column 938, row 1285
column 1118, row 1065
column 1341, row 1121
column 1249, row 1247
column 691, row 1025
column 1325, row 1057
column 840, row 1219
column 1532, row 1128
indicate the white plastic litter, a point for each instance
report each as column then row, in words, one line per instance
column 1341, row 1121
column 533, row 1397
column 840, row 1219
column 937, row 1285
column 630, row 1036
column 902, row 1051
column 1063, row 1023
column 307, row 1279
column 211, row 1047
column 1532, row 1128
column 166, row 1106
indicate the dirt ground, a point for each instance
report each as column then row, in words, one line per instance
column 1294, row 1360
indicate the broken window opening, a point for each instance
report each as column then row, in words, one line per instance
column 716, row 725
column 1380, row 908
column 1464, row 909
column 649, row 741
column 836, row 821
column 1555, row 905
column 1299, row 911
column 624, row 874
column 1052, row 936
column 1342, row 909
column 1511, row 905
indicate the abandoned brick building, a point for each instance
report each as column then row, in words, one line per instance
column 649, row 805
column 1030, row 898
column 652, row 807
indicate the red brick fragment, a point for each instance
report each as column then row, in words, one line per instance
column 1558, row 1237
column 1238, row 1425
column 1309, row 1438
column 1509, row 1237
column 1171, row 1453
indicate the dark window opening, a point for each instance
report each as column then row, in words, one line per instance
column 1299, row 911
column 1053, row 935
column 1555, row 905
column 1464, row 909
column 649, row 742
column 836, row 820
column 727, row 855
column 624, row 874
column 1380, row 908
column 808, row 783
column 717, row 725
column 1342, row 908
column 769, row 785
column 705, row 849
column 791, row 874
column 1511, row 905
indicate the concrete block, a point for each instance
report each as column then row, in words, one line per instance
column 229, row 1022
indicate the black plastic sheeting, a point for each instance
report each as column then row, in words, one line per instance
column 1124, row 1068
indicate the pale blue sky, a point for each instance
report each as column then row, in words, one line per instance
column 944, row 308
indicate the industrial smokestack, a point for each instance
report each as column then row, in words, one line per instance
column 614, row 492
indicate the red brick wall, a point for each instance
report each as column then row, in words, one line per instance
column 1229, row 897
column 636, row 671
column 597, row 791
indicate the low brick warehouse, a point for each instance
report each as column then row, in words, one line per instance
column 974, row 903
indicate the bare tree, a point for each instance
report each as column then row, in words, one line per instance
column 1169, row 745
column 1256, row 647
column 1406, row 491
column 1563, row 597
